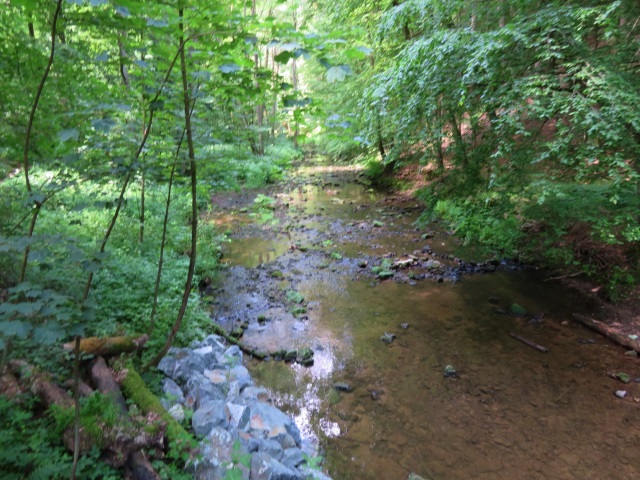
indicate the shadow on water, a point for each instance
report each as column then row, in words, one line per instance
column 509, row 411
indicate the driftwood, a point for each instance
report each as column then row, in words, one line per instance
column 608, row 331
column 109, row 346
column 526, row 341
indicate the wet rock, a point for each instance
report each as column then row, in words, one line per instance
column 404, row 326
column 264, row 467
column 273, row 448
column 631, row 353
column 586, row 341
column 211, row 414
column 517, row 310
column 413, row 476
column 621, row 393
column 292, row 457
column 218, row 447
column 623, row 377
column 342, row 386
column 239, row 415
column 450, row 372
column 388, row 338
column 172, row 392
column 181, row 364
column 271, row 421
column 241, row 376
column 255, row 394
column 200, row 391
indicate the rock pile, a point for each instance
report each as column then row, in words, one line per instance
column 234, row 418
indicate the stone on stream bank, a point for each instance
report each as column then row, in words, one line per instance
column 233, row 417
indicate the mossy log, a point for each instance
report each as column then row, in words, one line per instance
column 136, row 390
column 121, row 444
column 109, row 346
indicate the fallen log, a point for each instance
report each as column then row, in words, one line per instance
column 608, row 331
column 40, row 384
column 121, row 442
column 106, row 383
column 9, row 386
column 109, row 346
column 528, row 342
column 136, row 390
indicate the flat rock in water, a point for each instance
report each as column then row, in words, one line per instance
column 388, row 337
column 342, row 386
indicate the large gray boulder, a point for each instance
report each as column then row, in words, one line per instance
column 210, row 415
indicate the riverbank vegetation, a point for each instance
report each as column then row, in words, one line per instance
column 121, row 118
column 522, row 115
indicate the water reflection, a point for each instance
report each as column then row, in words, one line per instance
column 510, row 412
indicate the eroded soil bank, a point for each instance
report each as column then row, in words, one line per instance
column 305, row 277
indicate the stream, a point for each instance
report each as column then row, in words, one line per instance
column 450, row 395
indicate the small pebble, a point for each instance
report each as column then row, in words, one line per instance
column 631, row 353
column 621, row 393
column 404, row 325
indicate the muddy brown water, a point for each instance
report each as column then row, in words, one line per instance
column 510, row 412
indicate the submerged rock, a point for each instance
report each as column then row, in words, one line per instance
column 517, row 310
column 449, row 371
column 342, row 386
column 388, row 337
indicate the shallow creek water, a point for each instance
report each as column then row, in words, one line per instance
column 510, row 412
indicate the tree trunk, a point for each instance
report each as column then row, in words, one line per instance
column 194, row 206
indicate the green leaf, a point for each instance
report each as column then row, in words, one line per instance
column 16, row 328
column 284, row 57
column 68, row 134
column 103, row 124
column 338, row 73
column 49, row 333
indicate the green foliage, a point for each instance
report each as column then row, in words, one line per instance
column 97, row 412
column 30, row 448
